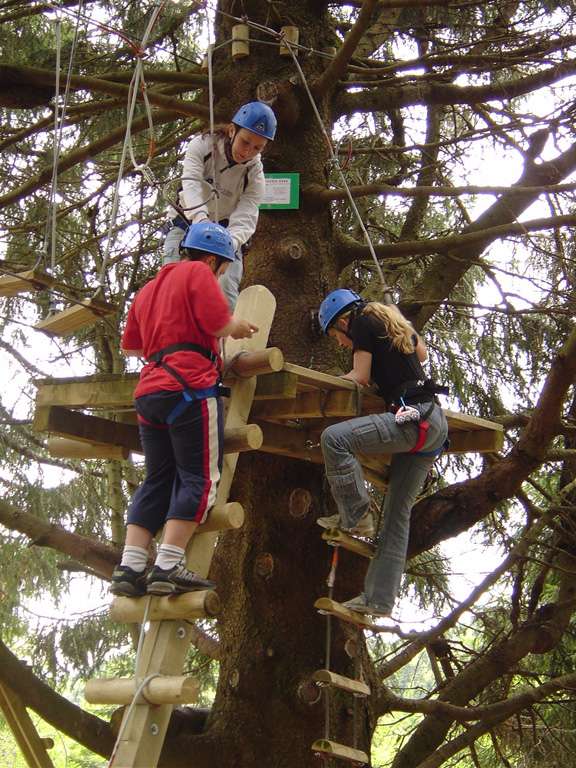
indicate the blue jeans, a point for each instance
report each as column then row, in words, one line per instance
column 230, row 280
column 379, row 433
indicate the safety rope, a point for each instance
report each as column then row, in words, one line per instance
column 330, row 581
column 336, row 163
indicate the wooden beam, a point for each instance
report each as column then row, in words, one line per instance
column 96, row 430
column 327, row 677
column 190, row 605
column 160, row 690
column 33, row 748
column 74, row 318
column 225, row 517
column 266, row 361
column 90, row 429
column 74, row 449
column 23, row 282
column 463, row 421
column 333, row 749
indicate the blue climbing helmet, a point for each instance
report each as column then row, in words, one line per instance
column 337, row 303
column 211, row 238
column 258, row 118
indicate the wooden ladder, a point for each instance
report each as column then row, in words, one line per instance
column 32, row 746
column 325, row 747
column 167, row 638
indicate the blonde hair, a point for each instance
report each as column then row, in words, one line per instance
column 399, row 330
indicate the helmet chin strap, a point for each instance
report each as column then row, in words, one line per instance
column 228, row 146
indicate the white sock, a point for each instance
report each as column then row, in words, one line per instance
column 169, row 556
column 135, row 558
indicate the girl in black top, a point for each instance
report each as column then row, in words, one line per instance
column 386, row 352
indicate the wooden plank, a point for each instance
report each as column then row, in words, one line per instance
column 23, row 282
column 338, row 538
column 458, row 421
column 33, row 748
column 166, row 643
column 275, row 386
column 310, row 405
column 327, row 677
column 325, row 605
column 74, row 318
column 340, row 751
column 476, row 441
column 115, row 391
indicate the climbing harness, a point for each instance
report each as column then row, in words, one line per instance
column 402, row 406
column 189, row 395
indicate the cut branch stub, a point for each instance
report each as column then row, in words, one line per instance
column 299, row 503
column 292, row 253
column 264, row 565
column 309, row 692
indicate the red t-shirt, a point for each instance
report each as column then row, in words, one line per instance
column 182, row 303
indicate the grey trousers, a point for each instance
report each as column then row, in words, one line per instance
column 376, row 434
column 230, row 280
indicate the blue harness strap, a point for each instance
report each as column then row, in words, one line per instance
column 189, row 396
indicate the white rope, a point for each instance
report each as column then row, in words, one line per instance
column 335, row 161
column 126, row 147
column 212, row 141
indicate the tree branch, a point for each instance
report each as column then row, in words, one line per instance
column 337, row 68
column 99, row 557
column 390, row 95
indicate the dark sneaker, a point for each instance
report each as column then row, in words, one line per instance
column 128, row 583
column 175, row 580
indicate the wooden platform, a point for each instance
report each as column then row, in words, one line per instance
column 291, row 406
column 23, row 282
column 74, row 318
column 325, row 748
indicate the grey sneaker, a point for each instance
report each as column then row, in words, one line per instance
column 360, row 605
column 333, row 521
column 175, row 581
column 364, row 527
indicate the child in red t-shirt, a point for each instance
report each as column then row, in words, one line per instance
column 175, row 322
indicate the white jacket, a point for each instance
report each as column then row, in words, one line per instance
column 240, row 187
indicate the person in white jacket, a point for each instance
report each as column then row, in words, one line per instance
column 223, row 180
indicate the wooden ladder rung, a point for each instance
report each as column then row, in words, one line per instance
column 223, row 517
column 73, row 318
column 327, row 677
column 190, row 605
column 32, row 279
column 340, row 751
column 160, row 690
column 325, row 605
column 336, row 537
